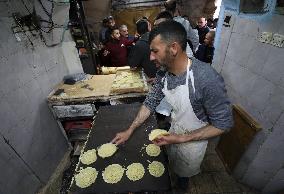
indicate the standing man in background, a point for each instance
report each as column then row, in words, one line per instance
column 192, row 34
column 205, row 51
column 139, row 55
column 202, row 29
column 123, row 30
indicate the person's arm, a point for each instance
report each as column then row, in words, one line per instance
column 142, row 115
column 127, row 42
column 151, row 102
column 203, row 133
column 217, row 107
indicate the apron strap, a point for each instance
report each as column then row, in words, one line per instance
column 186, row 83
column 192, row 80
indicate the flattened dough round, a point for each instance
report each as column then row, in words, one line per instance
column 89, row 157
column 113, row 173
column 86, row 177
column 156, row 169
column 153, row 150
column 156, row 133
column 135, row 171
column 107, row 150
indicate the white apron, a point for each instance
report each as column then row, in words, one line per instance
column 184, row 158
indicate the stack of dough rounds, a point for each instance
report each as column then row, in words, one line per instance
column 127, row 80
column 153, row 150
column 113, row 173
column 156, row 133
column 86, row 177
column 107, row 150
column 135, row 171
column 89, row 157
column 156, row 169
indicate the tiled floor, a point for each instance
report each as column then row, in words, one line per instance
column 214, row 178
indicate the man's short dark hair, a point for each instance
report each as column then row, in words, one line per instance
column 170, row 6
column 165, row 15
column 113, row 29
column 142, row 26
column 170, row 31
column 105, row 20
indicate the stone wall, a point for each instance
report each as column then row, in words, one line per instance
column 31, row 143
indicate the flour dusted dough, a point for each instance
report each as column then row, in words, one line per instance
column 88, row 157
column 156, row 133
column 135, row 171
column 127, row 80
column 113, row 173
column 153, row 150
column 86, row 177
column 107, row 150
column 156, row 169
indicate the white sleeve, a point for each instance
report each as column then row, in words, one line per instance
column 188, row 51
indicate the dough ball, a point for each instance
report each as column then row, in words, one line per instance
column 135, row 171
column 107, row 150
column 113, row 173
column 156, row 169
column 86, row 177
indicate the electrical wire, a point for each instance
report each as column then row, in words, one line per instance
column 23, row 2
column 65, row 27
column 59, row 2
column 45, row 10
column 39, row 28
column 49, row 16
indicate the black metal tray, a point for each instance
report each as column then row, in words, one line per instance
column 109, row 121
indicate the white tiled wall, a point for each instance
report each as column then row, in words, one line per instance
column 254, row 72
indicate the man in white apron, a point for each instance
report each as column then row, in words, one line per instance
column 196, row 94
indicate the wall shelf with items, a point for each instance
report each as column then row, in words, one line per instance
column 81, row 37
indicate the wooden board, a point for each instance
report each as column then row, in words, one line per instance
column 234, row 143
column 96, row 85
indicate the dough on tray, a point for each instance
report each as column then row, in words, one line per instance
column 89, row 157
column 135, row 171
column 113, row 173
column 86, row 177
column 156, row 169
column 153, row 150
column 107, row 150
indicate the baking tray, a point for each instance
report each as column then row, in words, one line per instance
column 109, row 121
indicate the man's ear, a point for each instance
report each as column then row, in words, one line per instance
column 174, row 48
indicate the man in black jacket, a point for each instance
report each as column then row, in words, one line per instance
column 202, row 28
column 140, row 53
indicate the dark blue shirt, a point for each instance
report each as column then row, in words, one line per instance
column 205, row 53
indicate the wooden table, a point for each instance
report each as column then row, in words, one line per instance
column 82, row 99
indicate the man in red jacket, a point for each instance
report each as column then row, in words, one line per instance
column 115, row 53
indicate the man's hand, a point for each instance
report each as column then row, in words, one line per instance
column 121, row 137
column 168, row 139
column 151, row 80
column 142, row 115
column 105, row 53
column 202, row 133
